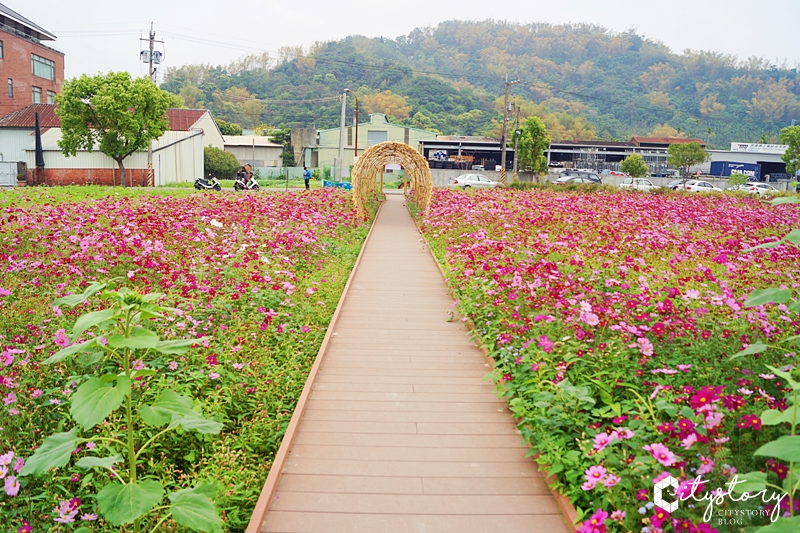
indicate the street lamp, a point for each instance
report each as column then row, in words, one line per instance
column 505, row 124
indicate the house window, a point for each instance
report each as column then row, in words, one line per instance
column 10, row 88
column 51, row 97
column 1, row 49
column 44, row 68
column 37, row 95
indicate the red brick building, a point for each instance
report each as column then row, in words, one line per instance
column 31, row 72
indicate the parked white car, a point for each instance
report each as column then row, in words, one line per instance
column 473, row 180
column 761, row 189
column 639, row 184
column 699, row 186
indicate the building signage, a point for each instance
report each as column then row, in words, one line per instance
column 759, row 148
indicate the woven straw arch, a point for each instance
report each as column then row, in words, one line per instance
column 372, row 161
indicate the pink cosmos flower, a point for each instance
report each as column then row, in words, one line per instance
column 305, row 329
column 662, row 475
column 90, row 445
column 595, row 523
column 689, row 440
column 618, row 516
column 88, row 517
column 545, row 344
column 173, row 365
column 624, row 433
column 10, row 398
column 611, row 480
column 6, row 458
column 661, row 454
column 595, row 473
column 61, row 340
column 588, row 485
column 11, row 486
column 36, row 393
column 601, row 440
column 18, row 464
column 213, row 375
column 707, row 465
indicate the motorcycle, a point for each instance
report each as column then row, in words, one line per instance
column 207, row 183
column 242, row 183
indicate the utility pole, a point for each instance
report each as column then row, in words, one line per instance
column 505, row 139
column 340, row 163
column 151, row 71
column 517, row 133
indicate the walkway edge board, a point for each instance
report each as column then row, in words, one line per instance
column 564, row 504
column 275, row 471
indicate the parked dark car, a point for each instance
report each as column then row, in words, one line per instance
column 587, row 176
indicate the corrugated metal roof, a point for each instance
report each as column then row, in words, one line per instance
column 665, row 140
column 179, row 119
column 26, row 117
column 10, row 13
column 184, row 119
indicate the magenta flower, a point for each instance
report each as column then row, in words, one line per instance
column 18, row 464
column 595, row 523
column 611, row 480
column 61, row 340
column 25, row 527
column 707, row 465
column 618, row 516
column 601, row 440
column 545, row 344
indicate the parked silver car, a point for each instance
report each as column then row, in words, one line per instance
column 639, row 184
column 473, row 180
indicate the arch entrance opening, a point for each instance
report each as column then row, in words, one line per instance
column 372, row 162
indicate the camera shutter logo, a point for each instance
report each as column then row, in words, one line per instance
column 658, row 498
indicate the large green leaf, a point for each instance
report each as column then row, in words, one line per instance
column 70, row 351
column 55, row 451
column 140, row 339
column 753, row 348
column 781, row 525
column 785, row 200
column 77, row 299
column 194, row 510
column 95, row 400
column 100, row 462
column 784, row 448
column 89, row 320
column 793, row 237
column 785, row 375
column 175, row 347
column 197, row 423
column 122, row 504
column 751, row 482
column 206, row 488
column 766, row 296
column 773, row 417
column 169, row 404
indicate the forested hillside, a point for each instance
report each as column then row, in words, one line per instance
column 584, row 82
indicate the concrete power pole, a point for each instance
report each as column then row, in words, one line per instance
column 340, row 162
column 505, row 138
column 151, row 71
column 517, row 133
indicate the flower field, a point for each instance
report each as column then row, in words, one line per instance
column 613, row 318
column 253, row 278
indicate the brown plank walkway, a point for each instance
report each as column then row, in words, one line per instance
column 401, row 433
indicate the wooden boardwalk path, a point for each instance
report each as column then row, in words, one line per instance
column 400, row 432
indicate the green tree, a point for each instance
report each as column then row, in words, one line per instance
column 284, row 137
column 533, row 141
column 737, row 178
column 635, row 166
column 228, row 128
column 791, row 137
column 113, row 112
column 219, row 162
column 686, row 155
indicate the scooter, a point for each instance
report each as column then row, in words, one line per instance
column 242, row 183
column 207, row 183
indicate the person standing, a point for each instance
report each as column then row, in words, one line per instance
column 306, row 176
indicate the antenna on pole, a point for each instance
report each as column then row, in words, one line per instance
column 152, row 58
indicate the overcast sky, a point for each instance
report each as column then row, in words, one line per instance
column 103, row 36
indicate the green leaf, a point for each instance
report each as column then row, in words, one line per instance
column 751, row 482
column 773, row 417
column 101, row 462
column 784, row 448
column 54, row 452
column 140, row 339
column 766, row 245
column 206, row 488
column 175, row 347
column 142, row 373
column 82, row 530
column 793, row 237
column 785, row 375
column 687, row 412
column 89, row 320
column 785, row 200
column 195, row 511
column 69, row 351
column 95, row 400
column 781, row 525
column 197, row 423
column 766, row 296
column 122, row 504
column 77, row 299
column 753, row 348
column 169, row 404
